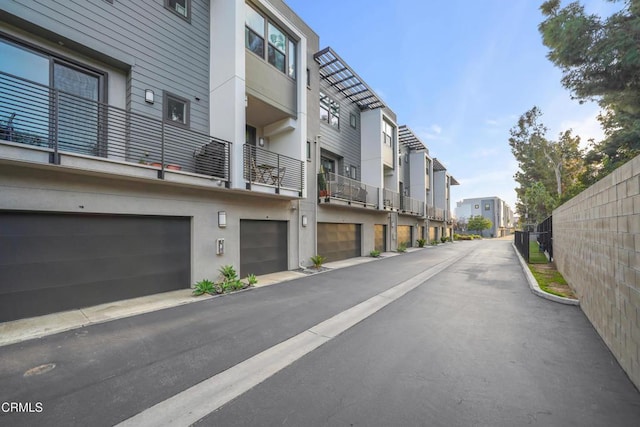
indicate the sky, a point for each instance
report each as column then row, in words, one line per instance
column 459, row 73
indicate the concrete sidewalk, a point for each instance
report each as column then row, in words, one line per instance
column 41, row 326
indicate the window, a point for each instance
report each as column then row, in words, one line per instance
column 277, row 48
column 309, row 78
column 476, row 206
column 254, row 31
column 388, row 131
column 329, row 111
column 353, row 172
column 308, row 150
column 176, row 110
column 291, row 70
column 329, row 165
column 77, row 113
column 487, row 207
column 281, row 49
column 182, row 8
column 353, row 121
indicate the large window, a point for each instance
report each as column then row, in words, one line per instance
column 329, row 111
column 280, row 48
column 27, row 110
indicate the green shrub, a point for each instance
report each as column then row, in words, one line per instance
column 444, row 239
column 204, row 287
column 402, row 247
column 421, row 242
column 318, row 260
column 252, row 279
column 374, row 253
column 228, row 272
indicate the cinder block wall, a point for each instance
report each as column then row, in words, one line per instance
column 596, row 245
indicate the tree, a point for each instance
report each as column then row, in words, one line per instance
column 539, row 203
column 479, row 223
column 557, row 165
column 600, row 61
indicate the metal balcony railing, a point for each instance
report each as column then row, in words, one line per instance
column 341, row 187
column 435, row 213
column 411, row 206
column 265, row 167
column 391, row 199
column 55, row 121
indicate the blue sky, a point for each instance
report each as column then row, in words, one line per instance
column 458, row 73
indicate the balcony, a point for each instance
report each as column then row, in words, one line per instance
column 340, row 189
column 391, row 200
column 270, row 172
column 42, row 124
column 435, row 214
column 411, row 206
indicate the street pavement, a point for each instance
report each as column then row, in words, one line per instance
column 469, row 346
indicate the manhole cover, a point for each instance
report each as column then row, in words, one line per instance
column 38, row 370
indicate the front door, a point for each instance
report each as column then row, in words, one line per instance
column 78, row 123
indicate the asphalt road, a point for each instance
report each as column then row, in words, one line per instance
column 470, row 346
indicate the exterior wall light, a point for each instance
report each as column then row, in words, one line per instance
column 148, row 96
column 304, row 220
column 222, row 219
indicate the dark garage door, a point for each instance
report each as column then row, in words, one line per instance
column 263, row 247
column 56, row 262
column 380, row 242
column 404, row 235
column 338, row 241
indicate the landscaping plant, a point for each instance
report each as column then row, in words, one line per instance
column 421, row 242
column 204, row 287
column 318, row 260
column 374, row 253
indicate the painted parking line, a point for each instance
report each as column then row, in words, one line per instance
column 194, row 403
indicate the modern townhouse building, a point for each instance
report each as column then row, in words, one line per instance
column 492, row 208
column 145, row 144
column 425, row 182
column 357, row 147
column 374, row 177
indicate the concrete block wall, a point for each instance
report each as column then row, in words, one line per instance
column 596, row 242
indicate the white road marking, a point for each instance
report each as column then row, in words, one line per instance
column 194, row 403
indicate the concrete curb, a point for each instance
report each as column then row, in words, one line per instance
column 535, row 288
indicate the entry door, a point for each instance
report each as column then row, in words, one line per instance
column 78, row 124
column 380, row 242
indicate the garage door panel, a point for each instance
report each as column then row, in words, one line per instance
column 25, row 304
column 404, row 235
column 339, row 241
column 54, row 262
column 263, row 247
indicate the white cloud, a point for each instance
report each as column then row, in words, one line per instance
column 429, row 133
column 587, row 128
